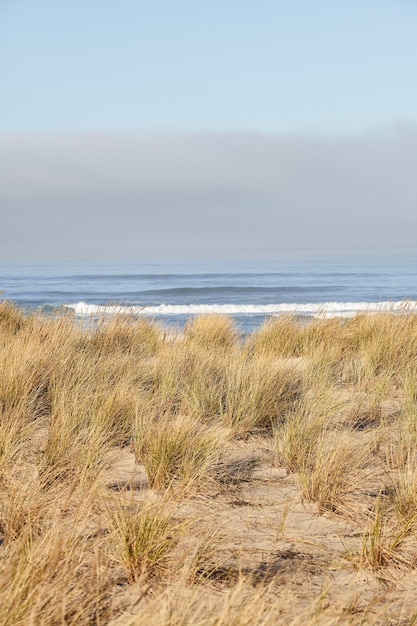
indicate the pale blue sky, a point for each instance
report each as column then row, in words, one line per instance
column 267, row 65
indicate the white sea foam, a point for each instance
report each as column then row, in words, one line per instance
column 322, row 309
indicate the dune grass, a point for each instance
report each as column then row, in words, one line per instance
column 332, row 405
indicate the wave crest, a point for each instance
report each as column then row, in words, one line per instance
column 321, row 309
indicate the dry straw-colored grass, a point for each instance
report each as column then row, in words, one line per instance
column 332, row 405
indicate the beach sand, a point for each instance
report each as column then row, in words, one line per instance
column 208, row 481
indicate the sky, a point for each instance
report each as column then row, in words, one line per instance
column 223, row 127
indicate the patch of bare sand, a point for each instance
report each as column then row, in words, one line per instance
column 123, row 473
column 264, row 532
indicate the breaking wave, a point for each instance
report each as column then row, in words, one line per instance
column 321, row 309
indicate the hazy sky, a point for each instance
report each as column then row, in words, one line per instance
column 181, row 125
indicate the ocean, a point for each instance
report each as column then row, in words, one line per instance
column 249, row 290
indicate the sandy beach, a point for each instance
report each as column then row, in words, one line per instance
column 212, row 480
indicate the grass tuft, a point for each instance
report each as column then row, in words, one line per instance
column 177, row 451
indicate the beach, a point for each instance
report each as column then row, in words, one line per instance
column 205, row 476
column 208, row 313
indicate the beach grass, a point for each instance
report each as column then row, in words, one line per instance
column 201, row 477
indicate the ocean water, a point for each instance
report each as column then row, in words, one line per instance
column 248, row 290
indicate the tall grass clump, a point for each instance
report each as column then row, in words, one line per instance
column 177, row 451
column 278, row 336
column 227, row 385
column 258, row 394
column 296, row 438
column 383, row 544
column 212, row 332
column 125, row 335
column 404, row 491
column 296, row 441
column 386, row 344
column 27, row 366
column 11, row 318
column 186, row 378
column 289, row 336
column 144, row 536
column 329, row 466
column 51, row 567
column 334, row 472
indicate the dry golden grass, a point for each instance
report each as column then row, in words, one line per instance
column 203, row 478
column 178, row 451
